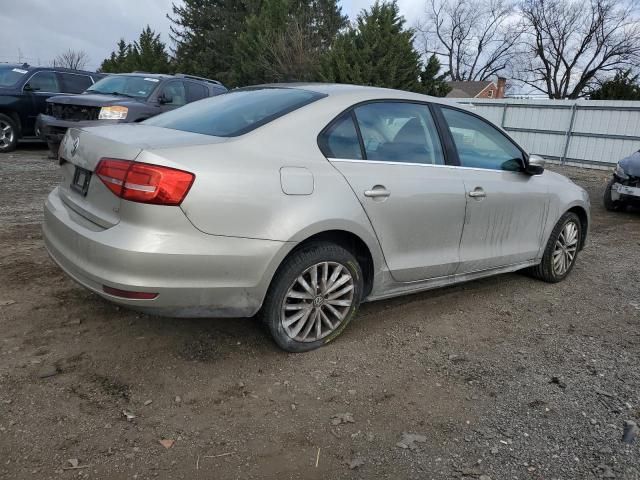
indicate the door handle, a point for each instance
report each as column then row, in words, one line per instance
column 377, row 193
column 477, row 192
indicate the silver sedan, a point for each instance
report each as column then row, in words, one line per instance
column 299, row 202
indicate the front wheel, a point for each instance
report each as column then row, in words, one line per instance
column 313, row 297
column 561, row 251
column 607, row 200
column 8, row 134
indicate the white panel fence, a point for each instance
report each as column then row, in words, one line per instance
column 590, row 133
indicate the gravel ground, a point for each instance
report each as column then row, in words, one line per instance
column 503, row 378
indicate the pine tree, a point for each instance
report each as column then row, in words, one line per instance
column 379, row 51
column 624, row 86
column 147, row 54
column 432, row 83
column 205, row 32
column 285, row 40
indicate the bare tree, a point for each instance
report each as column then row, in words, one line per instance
column 73, row 59
column 477, row 38
column 571, row 43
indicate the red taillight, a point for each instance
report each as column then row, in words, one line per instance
column 145, row 183
column 116, row 292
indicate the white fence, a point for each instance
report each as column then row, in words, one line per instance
column 591, row 133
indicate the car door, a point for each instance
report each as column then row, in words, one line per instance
column 506, row 207
column 391, row 155
column 38, row 88
column 172, row 95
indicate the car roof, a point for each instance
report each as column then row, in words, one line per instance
column 31, row 68
column 142, row 74
column 167, row 76
column 361, row 92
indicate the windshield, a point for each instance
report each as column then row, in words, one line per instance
column 126, row 85
column 10, row 75
column 235, row 113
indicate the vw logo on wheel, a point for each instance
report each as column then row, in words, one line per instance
column 318, row 301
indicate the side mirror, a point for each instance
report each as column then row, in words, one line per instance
column 536, row 165
column 29, row 88
column 164, row 99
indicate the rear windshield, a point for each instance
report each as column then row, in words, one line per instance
column 235, row 113
column 127, row 86
column 10, row 75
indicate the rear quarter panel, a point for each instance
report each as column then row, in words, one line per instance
column 238, row 191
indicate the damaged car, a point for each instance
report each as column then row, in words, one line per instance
column 24, row 90
column 299, row 202
column 122, row 98
column 624, row 186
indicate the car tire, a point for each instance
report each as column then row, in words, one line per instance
column 609, row 203
column 322, row 318
column 555, row 264
column 8, row 134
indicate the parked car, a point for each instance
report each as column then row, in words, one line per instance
column 624, row 187
column 23, row 93
column 302, row 201
column 122, row 98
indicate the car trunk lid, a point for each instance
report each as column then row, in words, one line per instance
column 81, row 151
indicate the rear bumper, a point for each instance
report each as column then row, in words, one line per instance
column 194, row 274
column 52, row 129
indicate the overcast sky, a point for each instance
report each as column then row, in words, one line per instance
column 35, row 31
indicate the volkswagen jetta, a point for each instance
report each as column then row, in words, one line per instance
column 299, row 202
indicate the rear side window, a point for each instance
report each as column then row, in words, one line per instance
column 340, row 140
column 399, row 132
column 72, row 83
column 195, row 91
column 235, row 113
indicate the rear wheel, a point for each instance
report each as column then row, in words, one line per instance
column 561, row 251
column 8, row 134
column 313, row 297
column 609, row 203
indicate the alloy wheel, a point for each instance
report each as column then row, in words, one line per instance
column 317, row 302
column 6, row 134
column 565, row 249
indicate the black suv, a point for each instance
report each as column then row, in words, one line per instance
column 23, row 94
column 122, row 98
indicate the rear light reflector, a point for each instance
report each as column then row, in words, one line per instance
column 143, row 182
column 116, row 292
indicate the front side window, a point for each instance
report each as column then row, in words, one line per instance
column 173, row 93
column 72, row 83
column 44, row 82
column 135, row 86
column 479, row 144
column 340, row 140
column 235, row 113
column 399, row 132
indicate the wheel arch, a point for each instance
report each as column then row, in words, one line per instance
column 15, row 117
column 351, row 242
column 363, row 245
column 583, row 216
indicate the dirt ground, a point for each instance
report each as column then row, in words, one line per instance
column 503, row 378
